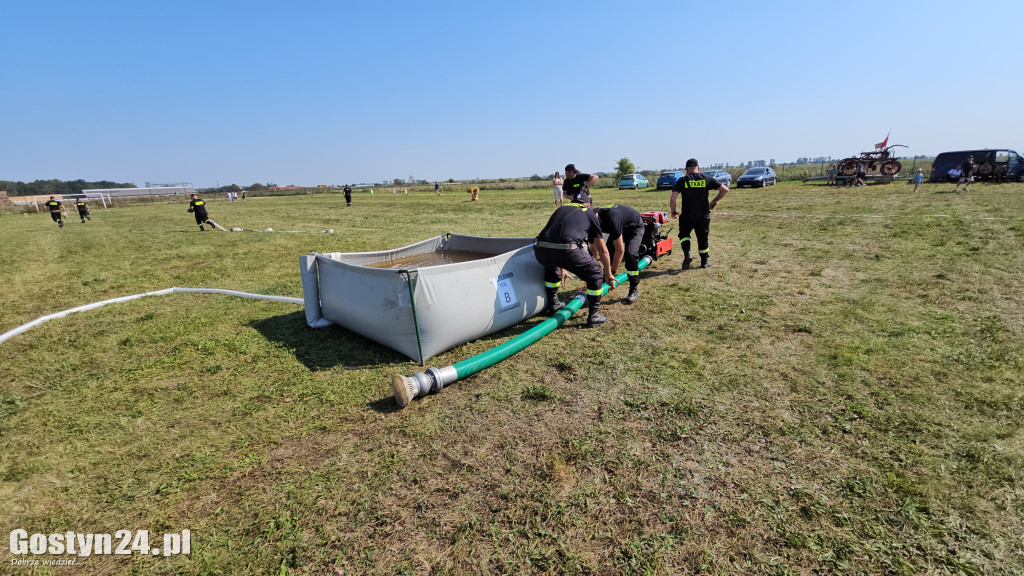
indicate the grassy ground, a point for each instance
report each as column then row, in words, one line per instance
column 841, row 393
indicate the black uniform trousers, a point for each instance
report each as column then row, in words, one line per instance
column 578, row 261
column 631, row 238
column 700, row 225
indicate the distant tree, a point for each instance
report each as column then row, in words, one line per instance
column 451, row 180
column 623, row 167
column 54, row 187
column 398, row 181
column 257, row 186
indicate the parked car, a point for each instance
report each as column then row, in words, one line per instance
column 667, row 179
column 633, row 181
column 721, row 176
column 990, row 164
column 757, row 178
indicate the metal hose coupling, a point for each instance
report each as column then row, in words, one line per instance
column 407, row 388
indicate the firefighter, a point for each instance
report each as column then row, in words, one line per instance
column 695, row 213
column 625, row 229
column 348, row 195
column 198, row 208
column 562, row 244
column 56, row 207
column 83, row 209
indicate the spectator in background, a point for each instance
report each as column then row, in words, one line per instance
column 832, row 175
column 437, row 189
column 556, row 184
column 348, row 195
column 966, row 174
column 859, row 179
column 918, row 178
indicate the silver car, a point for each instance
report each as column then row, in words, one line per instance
column 757, row 177
column 721, row 176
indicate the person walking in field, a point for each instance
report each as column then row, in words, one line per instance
column 437, row 189
column 56, row 209
column 198, row 208
column 695, row 212
column 348, row 195
column 83, row 210
column 918, row 179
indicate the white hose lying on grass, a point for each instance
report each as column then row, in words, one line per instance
column 24, row 327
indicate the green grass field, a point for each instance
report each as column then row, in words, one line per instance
column 841, row 393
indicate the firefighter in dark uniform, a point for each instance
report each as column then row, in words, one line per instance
column 348, row 195
column 198, row 207
column 55, row 211
column 695, row 212
column 83, row 209
column 562, row 245
column 625, row 229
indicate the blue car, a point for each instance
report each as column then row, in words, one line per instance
column 633, row 182
column 667, row 179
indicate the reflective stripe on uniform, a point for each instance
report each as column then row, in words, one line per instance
column 553, row 284
column 632, row 272
column 702, row 251
column 687, row 239
column 597, row 292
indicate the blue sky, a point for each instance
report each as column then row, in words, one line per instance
column 341, row 92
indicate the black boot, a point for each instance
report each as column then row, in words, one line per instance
column 686, row 260
column 554, row 304
column 201, row 229
column 595, row 318
column 704, row 261
column 634, row 292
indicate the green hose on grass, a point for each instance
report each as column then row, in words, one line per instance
column 407, row 388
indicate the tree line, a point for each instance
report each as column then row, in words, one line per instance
column 57, row 187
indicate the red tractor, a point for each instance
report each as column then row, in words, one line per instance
column 882, row 160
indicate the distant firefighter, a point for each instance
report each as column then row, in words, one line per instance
column 198, row 207
column 83, row 210
column 56, row 207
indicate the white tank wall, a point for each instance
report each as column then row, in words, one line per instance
column 454, row 303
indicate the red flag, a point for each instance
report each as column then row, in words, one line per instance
column 882, row 144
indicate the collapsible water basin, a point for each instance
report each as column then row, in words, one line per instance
column 423, row 299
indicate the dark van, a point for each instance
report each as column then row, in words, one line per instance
column 999, row 164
